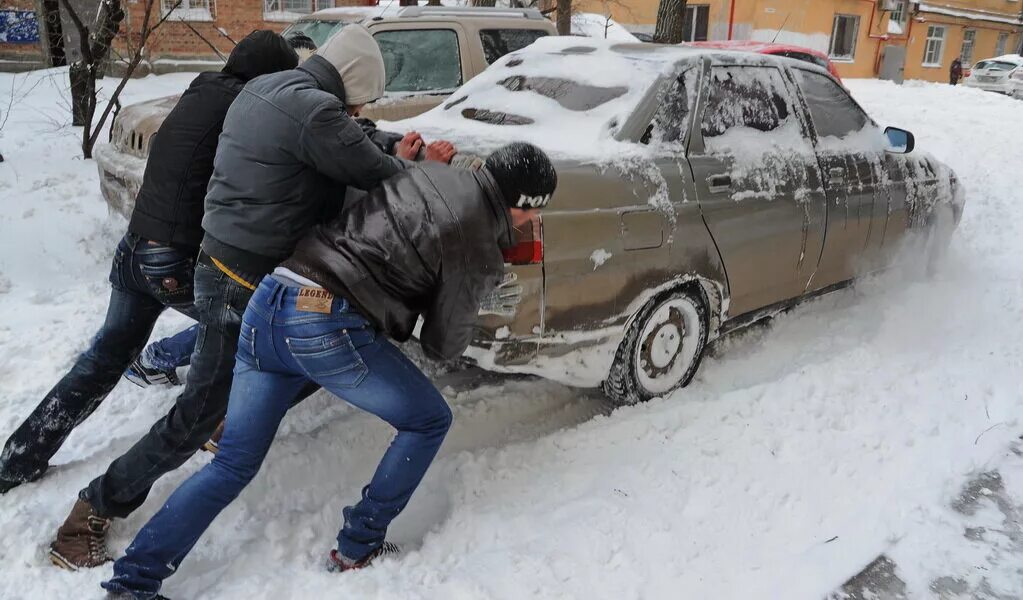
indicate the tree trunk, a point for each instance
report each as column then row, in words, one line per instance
column 671, row 16
column 484, row 2
column 564, row 20
column 79, row 75
column 433, row 3
column 53, row 30
column 408, row 2
column 83, row 73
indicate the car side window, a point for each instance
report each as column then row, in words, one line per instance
column 751, row 97
column 498, row 42
column 420, row 60
column 833, row 112
column 671, row 121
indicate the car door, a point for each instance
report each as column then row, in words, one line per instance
column 425, row 63
column 851, row 151
column 758, row 184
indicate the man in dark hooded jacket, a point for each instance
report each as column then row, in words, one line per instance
column 425, row 243
column 152, row 270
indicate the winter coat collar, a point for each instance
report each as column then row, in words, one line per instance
column 325, row 75
column 496, row 201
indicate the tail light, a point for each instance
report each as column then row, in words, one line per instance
column 528, row 248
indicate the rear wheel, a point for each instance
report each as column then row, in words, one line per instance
column 661, row 350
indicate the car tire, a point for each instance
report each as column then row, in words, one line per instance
column 661, row 350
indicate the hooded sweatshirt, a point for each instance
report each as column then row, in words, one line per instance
column 357, row 58
column 169, row 205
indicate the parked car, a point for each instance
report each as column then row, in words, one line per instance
column 996, row 74
column 428, row 53
column 699, row 191
column 1016, row 84
column 787, row 50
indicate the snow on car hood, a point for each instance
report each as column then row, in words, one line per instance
column 570, row 96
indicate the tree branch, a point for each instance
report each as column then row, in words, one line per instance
column 203, row 38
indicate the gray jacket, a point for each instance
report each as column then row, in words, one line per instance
column 287, row 152
column 425, row 242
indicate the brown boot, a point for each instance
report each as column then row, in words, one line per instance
column 213, row 445
column 81, row 540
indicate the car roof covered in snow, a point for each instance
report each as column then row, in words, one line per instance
column 569, row 95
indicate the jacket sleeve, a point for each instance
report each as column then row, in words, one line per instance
column 448, row 322
column 337, row 146
column 385, row 140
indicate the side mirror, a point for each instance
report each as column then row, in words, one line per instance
column 900, row 141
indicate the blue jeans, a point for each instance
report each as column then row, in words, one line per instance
column 282, row 349
column 171, row 352
column 145, row 278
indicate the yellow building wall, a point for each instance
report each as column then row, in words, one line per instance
column 809, row 23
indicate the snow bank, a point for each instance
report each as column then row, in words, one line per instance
column 803, row 449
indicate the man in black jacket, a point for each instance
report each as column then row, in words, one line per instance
column 153, row 264
column 427, row 242
column 287, row 150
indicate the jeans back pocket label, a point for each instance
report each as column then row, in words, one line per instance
column 314, row 300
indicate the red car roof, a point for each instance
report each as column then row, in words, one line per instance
column 766, row 48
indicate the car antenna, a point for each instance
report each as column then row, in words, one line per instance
column 780, row 29
column 386, row 6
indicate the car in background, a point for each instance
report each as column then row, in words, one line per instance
column 996, row 74
column 428, row 53
column 809, row 55
column 699, row 191
column 1016, row 84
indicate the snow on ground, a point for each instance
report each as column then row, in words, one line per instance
column 803, row 449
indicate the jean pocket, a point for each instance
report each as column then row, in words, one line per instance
column 332, row 357
column 170, row 283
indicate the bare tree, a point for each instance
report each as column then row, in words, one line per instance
column 564, row 17
column 671, row 16
column 95, row 47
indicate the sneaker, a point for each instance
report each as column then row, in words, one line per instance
column 144, row 376
column 339, row 564
column 81, row 540
column 213, row 445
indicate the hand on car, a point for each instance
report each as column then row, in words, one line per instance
column 505, row 298
column 409, row 146
column 440, row 151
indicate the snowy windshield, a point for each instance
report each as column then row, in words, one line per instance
column 995, row 65
column 565, row 94
column 318, row 31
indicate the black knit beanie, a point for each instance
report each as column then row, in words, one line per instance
column 524, row 174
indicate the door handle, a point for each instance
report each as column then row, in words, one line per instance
column 719, row 184
column 836, row 175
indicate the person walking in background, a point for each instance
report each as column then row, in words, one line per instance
column 153, row 264
column 955, row 72
column 426, row 243
column 287, row 152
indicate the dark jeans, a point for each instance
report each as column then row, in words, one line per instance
column 171, row 352
column 146, row 278
column 197, row 411
column 281, row 350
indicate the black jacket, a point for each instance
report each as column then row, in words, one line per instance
column 287, row 152
column 425, row 242
column 169, row 205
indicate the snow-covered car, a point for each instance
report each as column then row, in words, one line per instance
column 996, row 74
column 1016, row 84
column 428, row 53
column 699, row 191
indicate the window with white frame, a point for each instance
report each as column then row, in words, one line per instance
column 898, row 15
column 966, row 52
column 843, row 37
column 694, row 25
column 188, row 10
column 1003, row 41
column 289, row 10
column 934, row 49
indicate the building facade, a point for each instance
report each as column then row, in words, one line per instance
column 894, row 39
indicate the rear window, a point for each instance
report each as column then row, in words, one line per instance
column 498, row 42
column 995, row 65
column 420, row 60
column 318, row 31
column 571, row 95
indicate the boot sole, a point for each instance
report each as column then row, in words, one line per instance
column 63, row 563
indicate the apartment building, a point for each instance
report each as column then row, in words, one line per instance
column 914, row 39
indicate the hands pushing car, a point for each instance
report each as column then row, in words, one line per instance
column 699, row 191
